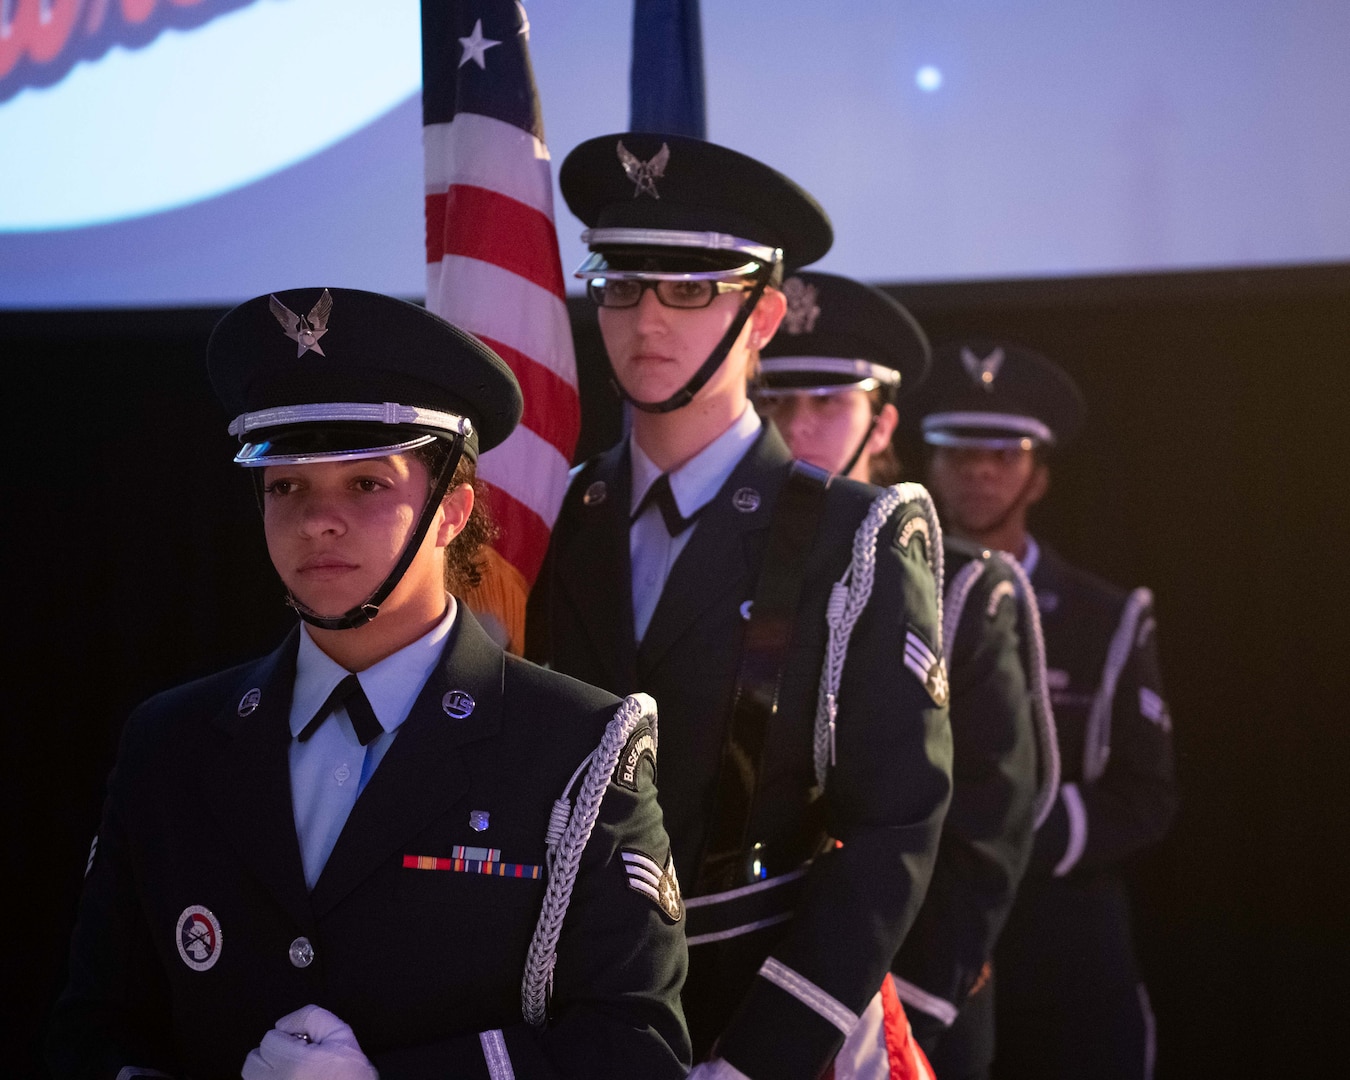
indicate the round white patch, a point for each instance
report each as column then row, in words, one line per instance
column 199, row 938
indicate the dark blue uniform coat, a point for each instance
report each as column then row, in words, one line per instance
column 418, row 962
column 1070, row 1001
column 838, row 925
column 986, row 840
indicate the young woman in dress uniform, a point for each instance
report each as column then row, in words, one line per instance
column 828, row 381
column 1071, row 1002
column 693, row 561
column 387, row 847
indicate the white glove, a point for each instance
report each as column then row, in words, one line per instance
column 309, row 1044
column 717, row 1069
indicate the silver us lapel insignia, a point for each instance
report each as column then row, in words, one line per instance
column 644, row 174
column 654, row 881
column 305, row 330
column 982, row 372
column 458, row 704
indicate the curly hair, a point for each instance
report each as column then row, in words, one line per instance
column 464, row 557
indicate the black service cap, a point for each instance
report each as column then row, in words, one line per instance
column 996, row 395
column 314, row 374
column 839, row 333
column 630, row 188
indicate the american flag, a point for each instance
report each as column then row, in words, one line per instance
column 493, row 268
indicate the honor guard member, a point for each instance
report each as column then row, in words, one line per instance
column 1070, row 1000
column 357, row 854
column 694, row 562
column 829, row 381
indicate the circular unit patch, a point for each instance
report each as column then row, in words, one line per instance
column 199, row 938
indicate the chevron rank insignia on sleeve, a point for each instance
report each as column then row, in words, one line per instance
column 931, row 670
column 657, row 883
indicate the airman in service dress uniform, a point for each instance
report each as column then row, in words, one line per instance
column 829, row 380
column 1070, row 1000
column 388, row 845
column 695, row 562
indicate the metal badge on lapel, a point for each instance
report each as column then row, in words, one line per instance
column 595, row 494
column 199, row 938
column 644, row 174
column 457, row 704
column 305, row 330
column 746, row 500
column 249, row 702
column 478, row 820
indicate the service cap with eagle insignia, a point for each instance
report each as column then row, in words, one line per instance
column 672, row 208
column 838, row 335
column 638, row 190
column 995, row 395
column 386, row 375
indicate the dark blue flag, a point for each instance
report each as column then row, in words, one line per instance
column 666, row 79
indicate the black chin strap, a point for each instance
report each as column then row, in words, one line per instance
column 364, row 612
column 685, row 394
column 848, row 466
column 887, row 398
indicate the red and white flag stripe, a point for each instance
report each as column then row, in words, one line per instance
column 493, row 268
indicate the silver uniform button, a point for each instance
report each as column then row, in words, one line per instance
column 302, row 952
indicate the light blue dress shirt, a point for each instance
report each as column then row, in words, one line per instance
column 1032, row 557
column 652, row 550
column 331, row 768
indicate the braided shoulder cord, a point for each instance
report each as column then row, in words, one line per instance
column 566, row 843
column 1046, row 734
column 1097, row 746
column 849, row 597
column 962, row 586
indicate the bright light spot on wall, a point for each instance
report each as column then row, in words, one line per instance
column 928, row 78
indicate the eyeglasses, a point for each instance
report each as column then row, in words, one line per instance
column 627, row 292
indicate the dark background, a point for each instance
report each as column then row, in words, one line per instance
column 1211, row 470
